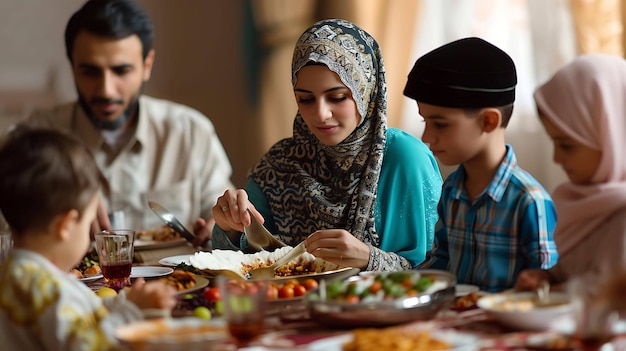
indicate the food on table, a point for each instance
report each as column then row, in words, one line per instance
column 106, row 292
column 89, row 265
column 95, row 269
column 181, row 280
column 202, row 312
column 393, row 339
column 77, row 273
column 380, row 287
column 524, row 304
column 290, row 289
column 466, row 301
column 172, row 334
column 241, row 263
column 523, row 311
column 160, row 233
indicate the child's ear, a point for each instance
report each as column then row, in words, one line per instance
column 490, row 118
column 64, row 223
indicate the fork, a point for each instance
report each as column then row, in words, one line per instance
column 270, row 271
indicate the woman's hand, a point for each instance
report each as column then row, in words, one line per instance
column 231, row 211
column 528, row 280
column 340, row 247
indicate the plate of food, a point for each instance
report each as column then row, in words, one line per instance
column 185, row 282
column 157, row 238
column 413, row 338
column 238, row 264
column 383, row 299
column 89, row 267
column 172, row 334
column 523, row 310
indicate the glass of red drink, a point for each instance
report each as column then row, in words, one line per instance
column 244, row 304
column 115, row 251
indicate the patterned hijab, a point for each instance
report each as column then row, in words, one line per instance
column 585, row 100
column 309, row 185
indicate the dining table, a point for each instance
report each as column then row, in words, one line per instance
column 288, row 326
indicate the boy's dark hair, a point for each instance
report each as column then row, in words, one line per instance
column 117, row 19
column 505, row 111
column 44, row 173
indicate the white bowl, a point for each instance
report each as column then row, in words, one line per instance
column 521, row 311
column 168, row 334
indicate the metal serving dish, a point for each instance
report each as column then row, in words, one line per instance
column 424, row 306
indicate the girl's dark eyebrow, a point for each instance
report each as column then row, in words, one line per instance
column 325, row 91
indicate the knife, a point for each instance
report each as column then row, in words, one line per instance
column 171, row 221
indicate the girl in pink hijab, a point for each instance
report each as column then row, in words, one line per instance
column 583, row 110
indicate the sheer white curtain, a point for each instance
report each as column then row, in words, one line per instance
column 539, row 36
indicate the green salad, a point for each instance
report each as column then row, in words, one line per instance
column 380, row 287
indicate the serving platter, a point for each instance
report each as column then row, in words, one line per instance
column 236, row 264
column 377, row 313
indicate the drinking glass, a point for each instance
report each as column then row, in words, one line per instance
column 593, row 320
column 115, row 250
column 244, row 306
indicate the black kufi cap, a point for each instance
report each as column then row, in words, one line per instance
column 467, row 73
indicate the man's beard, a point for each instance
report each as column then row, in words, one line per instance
column 133, row 106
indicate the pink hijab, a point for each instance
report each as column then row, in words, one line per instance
column 587, row 101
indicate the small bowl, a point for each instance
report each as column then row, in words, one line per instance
column 424, row 306
column 166, row 334
column 521, row 310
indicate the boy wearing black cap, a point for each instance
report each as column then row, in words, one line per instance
column 495, row 218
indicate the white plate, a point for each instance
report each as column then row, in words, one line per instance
column 174, row 260
column 147, row 271
column 466, row 289
column 90, row 278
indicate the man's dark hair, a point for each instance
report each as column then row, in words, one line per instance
column 117, row 19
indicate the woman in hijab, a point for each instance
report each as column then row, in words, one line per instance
column 582, row 108
column 360, row 194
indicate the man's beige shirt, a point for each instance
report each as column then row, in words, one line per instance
column 174, row 158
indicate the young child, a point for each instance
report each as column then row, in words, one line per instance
column 582, row 108
column 495, row 219
column 49, row 184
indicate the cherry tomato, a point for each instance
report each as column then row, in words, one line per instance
column 286, row 292
column 299, row 290
column 353, row 299
column 212, row 294
column 272, row 292
column 376, row 286
column 310, row 284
